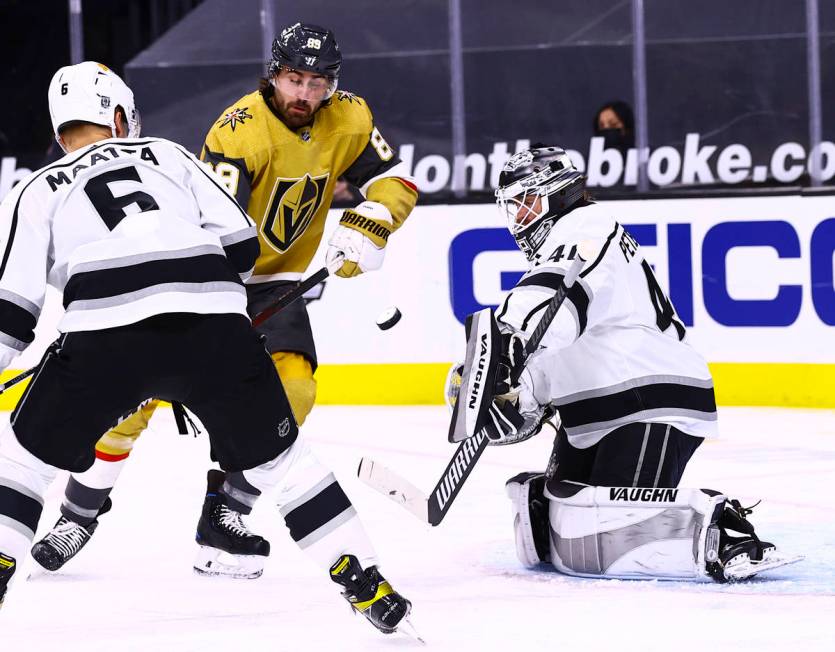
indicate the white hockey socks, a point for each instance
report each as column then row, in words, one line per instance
column 23, row 482
column 320, row 517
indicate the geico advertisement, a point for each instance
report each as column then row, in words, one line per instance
column 752, row 279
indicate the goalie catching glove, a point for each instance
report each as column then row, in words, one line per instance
column 361, row 237
column 506, row 425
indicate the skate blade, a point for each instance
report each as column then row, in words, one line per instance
column 212, row 562
column 37, row 571
column 406, row 627
column 747, row 568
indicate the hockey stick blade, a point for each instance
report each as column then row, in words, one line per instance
column 434, row 508
column 394, row 487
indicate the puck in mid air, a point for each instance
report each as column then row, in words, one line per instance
column 388, row 318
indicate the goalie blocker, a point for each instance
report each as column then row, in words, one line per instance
column 636, row 532
column 480, row 367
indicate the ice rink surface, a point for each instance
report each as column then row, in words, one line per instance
column 133, row 587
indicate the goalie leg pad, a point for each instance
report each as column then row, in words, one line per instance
column 530, row 517
column 633, row 533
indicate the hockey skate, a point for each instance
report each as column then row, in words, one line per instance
column 370, row 594
column 65, row 540
column 741, row 557
column 530, row 517
column 7, row 568
column 226, row 546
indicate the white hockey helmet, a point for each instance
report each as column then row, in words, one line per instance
column 536, row 188
column 90, row 92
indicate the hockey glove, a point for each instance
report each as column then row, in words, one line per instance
column 506, row 425
column 361, row 237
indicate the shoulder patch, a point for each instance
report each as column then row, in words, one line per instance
column 234, row 117
column 343, row 96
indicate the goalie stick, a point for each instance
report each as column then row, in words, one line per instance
column 433, row 508
column 282, row 302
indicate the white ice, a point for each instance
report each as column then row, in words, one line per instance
column 133, row 587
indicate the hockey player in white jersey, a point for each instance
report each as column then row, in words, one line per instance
column 635, row 400
column 150, row 252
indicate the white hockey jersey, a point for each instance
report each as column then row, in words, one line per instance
column 126, row 229
column 616, row 352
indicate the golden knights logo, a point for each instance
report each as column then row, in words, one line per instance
column 234, row 117
column 346, row 95
column 293, row 204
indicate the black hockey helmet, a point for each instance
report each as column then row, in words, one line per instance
column 306, row 47
column 541, row 173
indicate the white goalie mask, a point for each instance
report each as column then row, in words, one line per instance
column 536, row 187
column 90, row 92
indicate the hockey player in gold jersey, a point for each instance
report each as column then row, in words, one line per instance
column 280, row 150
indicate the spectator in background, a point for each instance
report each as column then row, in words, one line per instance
column 616, row 124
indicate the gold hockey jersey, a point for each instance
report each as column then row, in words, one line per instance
column 285, row 178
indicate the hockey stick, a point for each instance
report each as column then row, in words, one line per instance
column 434, row 508
column 296, row 292
column 14, row 381
column 282, row 302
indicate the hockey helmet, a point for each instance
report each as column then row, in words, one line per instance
column 90, row 92
column 536, row 187
column 308, row 48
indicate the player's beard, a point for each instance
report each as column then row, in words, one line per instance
column 295, row 113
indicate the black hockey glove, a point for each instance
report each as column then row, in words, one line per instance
column 505, row 425
column 511, row 364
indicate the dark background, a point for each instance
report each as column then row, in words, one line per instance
column 735, row 72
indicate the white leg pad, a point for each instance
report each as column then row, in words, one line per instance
column 633, row 533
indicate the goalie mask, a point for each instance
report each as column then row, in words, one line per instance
column 307, row 48
column 536, row 187
column 91, row 92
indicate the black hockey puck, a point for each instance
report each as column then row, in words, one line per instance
column 388, row 318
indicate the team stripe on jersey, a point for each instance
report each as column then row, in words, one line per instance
column 242, row 255
column 579, row 295
column 111, row 285
column 604, row 409
column 18, row 317
column 602, row 253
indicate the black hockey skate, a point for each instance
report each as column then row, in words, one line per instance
column 7, row 568
column 370, row 594
column 741, row 557
column 227, row 547
column 65, row 540
column 530, row 523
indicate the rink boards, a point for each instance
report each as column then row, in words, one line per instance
column 751, row 278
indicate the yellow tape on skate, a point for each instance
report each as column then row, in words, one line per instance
column 757, row 384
